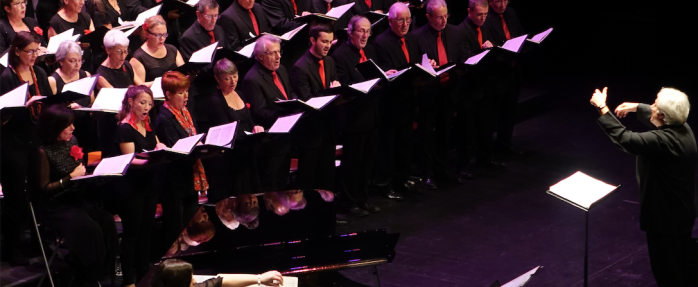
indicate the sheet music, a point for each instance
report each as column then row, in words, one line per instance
column 426, row 65
column 3, row 60
column 204, row 55
column 147, row 14
column 541, row 36
column 320, row 102
column 192, row 2
column 113, row 165
column 521, row 280
column 514, row 44
column 476, row 59
column 15, row 98
column 108, row 99
column 338, row 11
column 56, row 41
column 186, row 144
column 288, row 35
column 221, row 135
column 398, row 73
column 129, row 32
column 582, row 189
column 366, row 86
column 82, row 86
column 284, row 124
column 247, row 50
column 158, row 94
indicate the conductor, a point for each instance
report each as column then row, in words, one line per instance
column 666, row 166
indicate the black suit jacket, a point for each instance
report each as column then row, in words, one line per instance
column 280, row 14
column 196, row 38
column 513, row 24
column 238, row 24
column 320, row 6
column 259, row 90
column 361, row 7
column 477, row 81
column 398, row 103
column 666, row 167
column 453, row 42
column 361, row 114
column 177, row 177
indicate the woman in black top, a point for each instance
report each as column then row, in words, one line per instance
column 104, row 12
column 115, row 72
column 16, row 22
column 136, row 200
column 154, row 57
column 18, row 135
column 178, row 273
column 88, row 231
column 69, row 16
column 235, row 172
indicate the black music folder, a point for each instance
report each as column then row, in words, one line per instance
column 110, row 167
column 73, row 91
column 312, row 104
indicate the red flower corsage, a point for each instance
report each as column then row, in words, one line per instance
column 145, row 27
column 87, row 31
column 76, row 152
column 39, row 31
column 248, row 105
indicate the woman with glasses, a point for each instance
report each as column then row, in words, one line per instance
column 16, row 22
column 18, row 136
column 115, row 72
column 70, row 16
column 154, row 57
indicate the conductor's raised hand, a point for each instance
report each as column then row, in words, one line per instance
column 625, row 108
column 599, row 98
column 272, row 278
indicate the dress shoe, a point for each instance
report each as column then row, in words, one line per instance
column 357, row 211
column 429, row 184
column 491, row 164
column 394, row 195
column 369, row 207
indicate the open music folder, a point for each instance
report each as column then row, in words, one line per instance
column 74, row 91
column 474, row 60
column 15, row 98
column 108, row 167
column 199, row 59
column 427, row 69
column 140, row 19
column 56, row 41
column 581, row 190
column 333, row 15
column 158, row 94
column 288, row 281
column 222, row 136
column 312, row 104
column 288, row 35
column 282, row 125
column 361, row 88
column 182, row 147
column 244, row 54
column 370, row 70
column 108, row 100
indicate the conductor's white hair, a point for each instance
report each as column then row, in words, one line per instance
column 67, row 47
column 261, row 45
column 396, row 8
column 435, row 4
column 674, row 105
column 114, row 38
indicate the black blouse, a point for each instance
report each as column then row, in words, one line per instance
column 55, row 163
column 108, row 16
column 60, row 83
column 60, row 25
column 7, row 33
column 220, row 113
column 156, row 67
column 138, row 181
column 20, row 129
column 119, row 78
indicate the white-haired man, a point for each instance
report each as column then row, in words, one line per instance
column 666, row 167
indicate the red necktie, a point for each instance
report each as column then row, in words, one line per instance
column 278, row 84
column 295, row 8
column 213, row 37
column 504, row 25
column 329, row 7
column 443, row 58
column 479, row 36
column 363, row 56
column 404, row 49
column 254, row 21
column 322, row 73
column 368, row 2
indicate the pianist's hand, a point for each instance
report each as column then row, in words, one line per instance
column 625, row 108
column 390, row 72
column 257, row 129
column 487, row 45
column 335, row 84
column 78, row 171
column 272, row 278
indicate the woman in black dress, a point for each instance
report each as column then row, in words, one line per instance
column 235, row 172
column 104, row 12
column 88, row 231
column 18, row 135
column 16, row 22
column 178, row 273
column 136, row 199
column 115, row 72
column 154, row 57
column 70, row 16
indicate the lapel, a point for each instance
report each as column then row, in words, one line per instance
column 315, row 72
column 202, row 35
column 243, row 15
column 270, row 82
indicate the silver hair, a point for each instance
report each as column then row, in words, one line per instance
column 261, row 45
column 67, row 47
column 674, row 105
column 224, row 67
column 398, row 6
column 474, row 3
column 115, row 37
column 354, row 20
column 203, row 4
column 433, row 4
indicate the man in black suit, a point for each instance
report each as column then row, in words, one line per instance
column 243, row 20
column 282, row 12
column 264, row 84
column 315, row 136
column 666, row 168
column 357, row 120
column 395, row 49
column 443, row 43
column 505, row 26
column 324, row 6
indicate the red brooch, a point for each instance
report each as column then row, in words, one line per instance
column 248, row 105
column 87, row 31
column 38, row 31
column 76, row 152
column 124, row 67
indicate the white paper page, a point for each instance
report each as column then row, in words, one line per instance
column 247, row 50
column 3, row 60
column 14, row 98
column 319, row 102
column 582, row 189
column 476, row 59
column 192, row 2
column 109, row 99
column 366, row 86
column 288, row 35
column 521, row 280
column 284, row 124
column 56, row 41
column 113, row 165
column 204, row 55
column 541, row 36
column 221, row 135
column 338, row 11
column 515, row 44
column 398, row 73
column 445, row 70
column 158, row 94
column 147, row 14
column 83, row 86
column 426, row 65
column 186, row 144
column 73, row 38
column 118, row 19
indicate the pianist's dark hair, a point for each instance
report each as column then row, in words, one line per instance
column 172, row 273
column 21, row 41
column 52, row 121
column 132, row 93
column 315, row 30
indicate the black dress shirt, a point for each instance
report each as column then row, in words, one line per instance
column 260, row 91
column 397, row 104
column 513, row 25
column 361, row 114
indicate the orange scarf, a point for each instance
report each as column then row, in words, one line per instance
column 184, row 119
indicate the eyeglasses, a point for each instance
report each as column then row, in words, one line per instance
column 403, row 21
column 364, row 32
column 121, row 52
column 32, row 52
column 211, row 17
column 24, row 3
column 442, row 18
column 158, row 36
column 274, row 53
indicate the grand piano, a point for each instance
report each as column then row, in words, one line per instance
column 292, row 232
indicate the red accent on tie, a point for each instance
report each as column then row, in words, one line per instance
column 213, row 37
column 254, row 21
column 329, row 7
column 278, row 84
column 295, row 8
column 368, row 2
column 479, row 36
column 443, row 58
column 363, row 56
column 504, row 25
column 322, row 73
column 404, row 49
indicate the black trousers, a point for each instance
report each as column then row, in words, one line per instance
column 476, row 123
column 507, row 116
column 137, row 217
column 176, row 213
column 673, row 259
column 358, row 157
column 435, row 122
column 316, row 168
column 14, row 166
column 394, row 153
